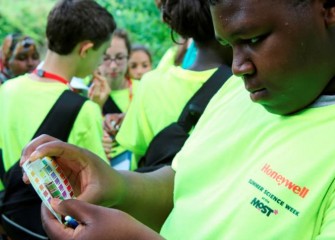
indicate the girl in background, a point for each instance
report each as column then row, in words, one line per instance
column 19, row 56
column 163, row 92
column 113, row 90
column 140, row 61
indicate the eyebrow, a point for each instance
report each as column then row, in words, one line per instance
column 245, row 31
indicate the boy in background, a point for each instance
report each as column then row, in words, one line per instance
column 78, row 34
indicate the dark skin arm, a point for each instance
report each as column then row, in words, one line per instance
column 147, row 197
column 95, row 222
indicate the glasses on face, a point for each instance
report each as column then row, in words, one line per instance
column 119, row 59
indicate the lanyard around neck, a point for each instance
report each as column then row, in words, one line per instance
column 41, row 73
column 130, row 87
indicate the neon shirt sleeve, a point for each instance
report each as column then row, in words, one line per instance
column 87, row 130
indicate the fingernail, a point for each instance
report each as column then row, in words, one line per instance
column 33, row 155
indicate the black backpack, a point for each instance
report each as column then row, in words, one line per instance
column 168, row 142
column 20, row 207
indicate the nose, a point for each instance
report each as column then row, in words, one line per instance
column 113, row 65
column 31, row 62
column 140, row 71
column 242, row 64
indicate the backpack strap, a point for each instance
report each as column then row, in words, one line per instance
column 20, row 203
column 59, row 121
column 197, row 104
column 110, row 107
column 168, row 142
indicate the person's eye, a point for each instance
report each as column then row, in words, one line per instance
column 21, row 57
column 254, row 40
column 106, row 58
column 36, row 56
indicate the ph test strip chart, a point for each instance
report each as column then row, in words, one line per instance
column 49, row 181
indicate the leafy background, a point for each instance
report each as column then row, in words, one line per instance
column 140, row 18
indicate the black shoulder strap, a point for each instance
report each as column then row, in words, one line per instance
column 59, row 121
column 168, row 142
column 110, row 107
column 197, row 104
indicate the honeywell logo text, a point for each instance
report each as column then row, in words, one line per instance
column 285, row 182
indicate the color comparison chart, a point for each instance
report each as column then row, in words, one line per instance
column 49, row 181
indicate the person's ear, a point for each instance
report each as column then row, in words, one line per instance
column 84, row 48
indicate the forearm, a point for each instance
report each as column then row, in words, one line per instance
column 148, row 196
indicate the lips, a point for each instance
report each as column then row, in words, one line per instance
column 113, row 74
column 258, row 95
column 257, row 92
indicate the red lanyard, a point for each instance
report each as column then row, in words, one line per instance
column 130, row 86
column 42, row 73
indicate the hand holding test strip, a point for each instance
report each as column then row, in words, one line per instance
column 49, row 182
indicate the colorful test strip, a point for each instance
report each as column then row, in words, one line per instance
column 48, row 181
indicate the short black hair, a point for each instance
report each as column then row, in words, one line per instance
column 73, row 21
column 329, row 3
column 189, row 18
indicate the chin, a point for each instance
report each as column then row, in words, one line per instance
column 279, row 111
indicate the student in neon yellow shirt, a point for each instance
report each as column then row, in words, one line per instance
column 115, row 83
column 140, row 61
column 26, row 100
column 115, row 86
column 163, row 93
column 259, row 163
column 115, row 71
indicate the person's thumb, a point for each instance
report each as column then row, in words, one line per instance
column 77, row 209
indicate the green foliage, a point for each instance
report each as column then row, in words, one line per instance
column 140, row 18
column 28, row 17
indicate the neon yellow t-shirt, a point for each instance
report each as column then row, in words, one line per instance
column 247, row 174
column 158, row 102
column 24, row 103
column 122, row 99
column 168, row 59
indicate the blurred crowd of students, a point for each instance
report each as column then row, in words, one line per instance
column 111, row 86
column 233, row 179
